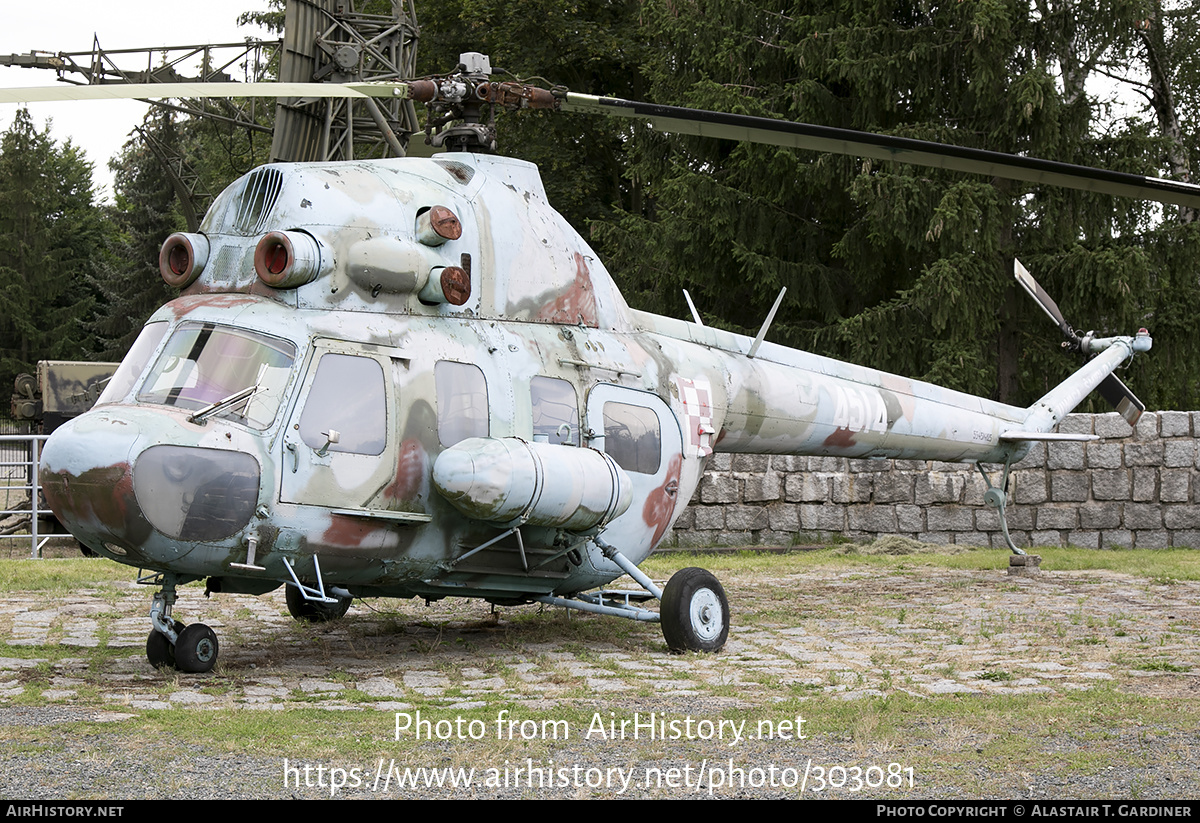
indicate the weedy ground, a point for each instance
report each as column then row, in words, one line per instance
column 1080, row 682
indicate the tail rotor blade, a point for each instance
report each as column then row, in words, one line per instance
column 1022, row 276
column 1121, row 398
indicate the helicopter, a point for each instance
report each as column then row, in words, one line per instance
column 413, row 378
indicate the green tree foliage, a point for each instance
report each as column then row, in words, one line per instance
column 888, row 265
column 271, row 19
column 145, row 213
column 219, row 153
column 51, row 236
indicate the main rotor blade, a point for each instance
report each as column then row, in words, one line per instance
column 882, row 147
column 161, row 91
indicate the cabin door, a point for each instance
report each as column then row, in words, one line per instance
column 338, row 451
column 638, row 430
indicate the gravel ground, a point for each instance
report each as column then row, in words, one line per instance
column 998, row 673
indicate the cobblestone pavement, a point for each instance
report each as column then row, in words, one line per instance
column 851, row 632
column 842, row 633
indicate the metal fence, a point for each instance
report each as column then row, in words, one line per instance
column 19, row 490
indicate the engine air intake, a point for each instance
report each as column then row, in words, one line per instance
column 182, row 258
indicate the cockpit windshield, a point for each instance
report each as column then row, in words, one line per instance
column 203, row 364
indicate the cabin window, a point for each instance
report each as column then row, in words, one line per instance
column 632, row 437
column 134, row 364
column 203, row 363
column 462, row 402
column 555, row 410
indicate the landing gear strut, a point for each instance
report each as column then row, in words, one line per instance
column 693, row 610
column 315, row 611
column 997, row 498
column 160, row 651
column 192, row 649
column 315, row 604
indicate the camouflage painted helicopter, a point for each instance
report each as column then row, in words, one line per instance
column 412, row 378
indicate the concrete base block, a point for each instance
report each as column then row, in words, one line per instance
column 1024, row 564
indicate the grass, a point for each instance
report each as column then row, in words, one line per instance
column 1004, row 720
column 62, row 575
column 1159, row 566
column 1159, row 665
column 967, row 747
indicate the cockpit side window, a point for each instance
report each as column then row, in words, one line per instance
column 462, row 402
column 555, row 410
column 348, row 395
column 134, row 364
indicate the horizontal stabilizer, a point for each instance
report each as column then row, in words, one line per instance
column 1047, row 436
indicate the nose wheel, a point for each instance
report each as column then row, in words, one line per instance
column 160, row 651
column 196, row 649
column 171, row 644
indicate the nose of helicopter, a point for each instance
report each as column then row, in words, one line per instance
column 87, row 479
column 135, row 485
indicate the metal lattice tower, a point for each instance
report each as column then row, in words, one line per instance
column 324, row 41
column 333, row 41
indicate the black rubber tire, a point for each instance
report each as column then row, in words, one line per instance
column 694, row 612
column 196, row 649
column 313, row 612
column 159, row 651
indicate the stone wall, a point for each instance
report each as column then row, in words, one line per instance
column 1132, row 489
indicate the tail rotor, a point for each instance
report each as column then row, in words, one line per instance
column 1111, row 388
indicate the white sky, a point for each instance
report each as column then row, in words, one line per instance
column 101, row 128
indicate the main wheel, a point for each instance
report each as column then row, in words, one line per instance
column 694, row 612
column 159, row 651
column 196, row 649
column 313, row 611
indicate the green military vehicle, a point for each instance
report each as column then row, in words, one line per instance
column 61, row 390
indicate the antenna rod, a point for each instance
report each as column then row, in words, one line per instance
column 767, row 323
column 692, row 306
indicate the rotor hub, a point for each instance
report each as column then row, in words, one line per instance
column 462, row 105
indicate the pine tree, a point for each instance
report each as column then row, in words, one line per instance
column 50, row 237
column 145, row 214
column 897, row 267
